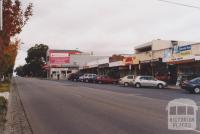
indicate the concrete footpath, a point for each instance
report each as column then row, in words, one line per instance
column 17, row 122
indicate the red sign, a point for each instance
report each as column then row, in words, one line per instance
column 128, row 60
column 59, row 58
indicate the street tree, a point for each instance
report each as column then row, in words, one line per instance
column 35, row 61
column 14, row 19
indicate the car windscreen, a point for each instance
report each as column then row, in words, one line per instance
column 196, row 80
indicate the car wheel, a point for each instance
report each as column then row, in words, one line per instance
column 137, row 85
column 196, row 90
column 86, row 80
column 126, row 84
column 160, row 86
column 100, row 82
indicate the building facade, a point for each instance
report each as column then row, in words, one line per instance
column 62, row 63
column 167, row 60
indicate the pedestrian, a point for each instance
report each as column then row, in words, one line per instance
column 58, row 76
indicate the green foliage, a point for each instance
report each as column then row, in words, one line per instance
column 35, row 60
column 37, row 53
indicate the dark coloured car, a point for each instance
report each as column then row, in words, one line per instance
column 74, row 77
column 186, row 78
column 193, row 86
column 106, row 79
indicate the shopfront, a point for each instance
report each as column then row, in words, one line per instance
column 59, row 66
column 184, row 60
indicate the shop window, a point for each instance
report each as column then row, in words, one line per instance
column 69, row 72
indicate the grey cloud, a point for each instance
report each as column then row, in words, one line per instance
column 108, row 26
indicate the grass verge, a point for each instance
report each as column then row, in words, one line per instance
column 4, row 87
column 3, row 110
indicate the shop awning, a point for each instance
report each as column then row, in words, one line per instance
column 116, row 64
column 151, row 61
column 197, row 58
column 103, row 65
column 181, row 62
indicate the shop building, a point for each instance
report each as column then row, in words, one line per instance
column 61, row 63
column 168, row 59
column 99, row 66
column 115, row 66
column 185, row 57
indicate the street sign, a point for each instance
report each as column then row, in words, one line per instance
column 1, row 15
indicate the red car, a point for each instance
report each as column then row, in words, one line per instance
column 106, row 79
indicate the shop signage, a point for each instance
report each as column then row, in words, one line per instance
column 59, row 58
column 130, row 60
column 180, row 49
column 150, row 61
column 178, row 53
column 116, row 64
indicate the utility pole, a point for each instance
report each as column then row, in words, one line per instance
column 1, row 15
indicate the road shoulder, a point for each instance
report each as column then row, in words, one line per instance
column 17, row 122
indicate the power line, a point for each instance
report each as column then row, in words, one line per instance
column 180, row 4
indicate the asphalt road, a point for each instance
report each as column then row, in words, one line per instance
column 80, row 108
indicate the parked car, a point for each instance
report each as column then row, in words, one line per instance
column 71, row 76
column 193, row 86
column 89, row 77
column 74, row 77
column 148, row 81
column 81, row 78
column 127, row 80
column 106, row 79
column 185, row 78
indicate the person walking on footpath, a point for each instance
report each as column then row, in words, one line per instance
column 58, row 76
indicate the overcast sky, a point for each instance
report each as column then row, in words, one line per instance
column 107, row 26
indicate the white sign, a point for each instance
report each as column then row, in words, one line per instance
column 116, row 64
column 59, row 55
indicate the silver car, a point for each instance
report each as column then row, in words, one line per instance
column 127, row 80
column 149, row 81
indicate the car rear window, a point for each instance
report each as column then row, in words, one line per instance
column 130, row 77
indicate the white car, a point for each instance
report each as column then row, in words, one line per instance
column 127, row 80
column 149, row 81
column 81, row 78
column 89, row 77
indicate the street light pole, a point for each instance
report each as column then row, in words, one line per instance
column 1, row 15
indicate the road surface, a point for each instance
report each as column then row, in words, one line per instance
column 80, row 108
